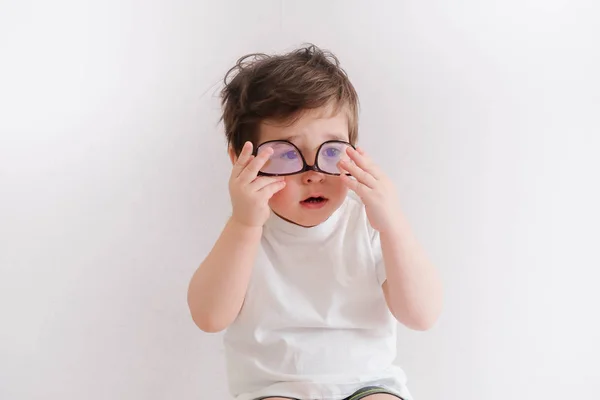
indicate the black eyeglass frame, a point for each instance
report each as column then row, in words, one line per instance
column 306, row 167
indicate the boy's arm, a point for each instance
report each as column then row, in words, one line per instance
column 413, row 288
column 218, row 287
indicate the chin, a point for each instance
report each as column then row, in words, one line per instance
column 311, row 220
column 306, row 216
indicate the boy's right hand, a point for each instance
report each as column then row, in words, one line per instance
column 250, row 193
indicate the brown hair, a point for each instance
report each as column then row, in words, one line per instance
column 281, row 87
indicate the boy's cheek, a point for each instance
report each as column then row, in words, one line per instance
column 284, row 196
column 339, row 187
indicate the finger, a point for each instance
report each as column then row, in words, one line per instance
column 360, row 174
column 363, row 161
column 263, row 181
column 250, row 172
column 360, row 189
column 243, row 159
column 269, row 190
column 341, row 169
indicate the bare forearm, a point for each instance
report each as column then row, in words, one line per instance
column 217, row 289
column 413, row 288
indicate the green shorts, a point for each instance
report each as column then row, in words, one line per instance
column 361, row 394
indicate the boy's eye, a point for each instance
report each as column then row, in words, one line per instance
column 332, row 152
column 290, row 155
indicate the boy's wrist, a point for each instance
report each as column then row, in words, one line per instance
column 244, row 228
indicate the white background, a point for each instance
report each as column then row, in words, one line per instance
column 113, row 185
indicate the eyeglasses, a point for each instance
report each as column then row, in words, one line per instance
column 287, row 159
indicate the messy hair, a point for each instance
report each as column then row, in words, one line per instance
column 280, row 87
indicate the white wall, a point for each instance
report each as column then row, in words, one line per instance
column 113, row 181
column 487, row 115
column 113, row 185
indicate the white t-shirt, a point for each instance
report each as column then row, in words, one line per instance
column 315, row 324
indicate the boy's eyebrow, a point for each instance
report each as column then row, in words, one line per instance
column 337, row 136
column 290, row 138
column 328, row 136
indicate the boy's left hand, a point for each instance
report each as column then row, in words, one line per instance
column 373, row 187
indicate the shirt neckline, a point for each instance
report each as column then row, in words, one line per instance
column 325, row 228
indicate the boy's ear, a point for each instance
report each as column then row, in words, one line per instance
column 232, row 155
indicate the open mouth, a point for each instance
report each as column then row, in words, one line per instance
column 314, row 201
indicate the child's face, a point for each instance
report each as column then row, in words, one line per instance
column 328, row 191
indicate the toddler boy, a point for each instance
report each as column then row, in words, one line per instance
column 317, row 262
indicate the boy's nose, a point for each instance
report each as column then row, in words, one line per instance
column 312, row 177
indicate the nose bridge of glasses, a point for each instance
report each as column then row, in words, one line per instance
column 311, row 157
